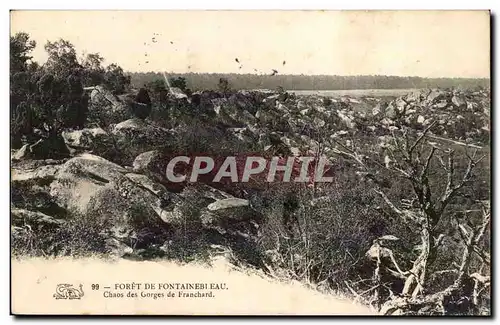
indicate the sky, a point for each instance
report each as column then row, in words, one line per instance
column 402, row 43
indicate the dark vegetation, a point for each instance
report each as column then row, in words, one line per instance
column 404, row 226
column 210, row 81
column 51, row 97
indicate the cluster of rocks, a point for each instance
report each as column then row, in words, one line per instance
column 296, row 125
column 115, row 173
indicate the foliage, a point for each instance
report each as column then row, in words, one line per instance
column 141, row 107
column 210, row 81
column 181, row 83
column 20, row 48
column 60, row 103
column 94, row 72
column 62, row 60
column 51, row 97
column 223, row 85
column 115, row 79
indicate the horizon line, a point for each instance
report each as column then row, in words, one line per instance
column 303, row 75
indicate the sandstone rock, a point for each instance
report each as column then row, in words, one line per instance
column 390, row 111
column 228, row 203
column 89, row 185
column 173, row 217
column 471, row 106
column 400, row 105
column 134, row 136
column 94, row 140
column 154, row 165
column 147, row 161
column 178, row 93
column 232, row 112
column 117, row 248
column 348, row 120
column 319, row 122
column 23, row 153
column 22, row 216
column 230, row 210
column 410, row 112
column 43, row 174
column 435, row 95
column 441, row 104
column 105, row 108
column 305, row 111
column 413, row 97
column 387, row 121
column 147, row 183
column 243, row 134
column 458, row 101
column 100, row 93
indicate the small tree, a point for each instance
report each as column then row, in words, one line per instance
column 223, row 86
column 60, row 103
column 21, row 87
column 62, row 60
column 115, row 79
column 93, row 70
column 141, row 107
column 179, row 82
column 20, row 48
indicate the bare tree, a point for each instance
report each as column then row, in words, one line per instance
column 412, row 158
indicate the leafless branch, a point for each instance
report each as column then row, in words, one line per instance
column 419, row 139
column 427, row 163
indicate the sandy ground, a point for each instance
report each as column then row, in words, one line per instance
column 128, row 287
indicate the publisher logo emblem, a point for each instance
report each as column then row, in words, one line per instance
column 67, row 291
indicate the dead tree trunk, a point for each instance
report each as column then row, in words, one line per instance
column 412, row 160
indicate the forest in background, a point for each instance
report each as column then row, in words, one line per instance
column 210, row 81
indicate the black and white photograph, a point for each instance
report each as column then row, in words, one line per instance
column 250, row 162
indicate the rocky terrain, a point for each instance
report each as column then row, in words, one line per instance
column 115, row 174
column 104, row 191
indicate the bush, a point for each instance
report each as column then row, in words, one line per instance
column 115, row 79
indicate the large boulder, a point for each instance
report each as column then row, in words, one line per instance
column 22, row 153
column 29, row 191
column 147, row 161
column 100, row 94
column 458, row 101
column 105, row 108
column 135, row 136
column 129, row 209
column 435, row 95
column 154, row 164
column 92, row 187
column 42, row 174
column 93, row 140
column 232, row 216
column 177, row 93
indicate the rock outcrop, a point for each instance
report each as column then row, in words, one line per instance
column 135, row 136
column 114, row 178
column 106, row 108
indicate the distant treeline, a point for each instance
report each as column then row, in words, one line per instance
column 200, row 81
